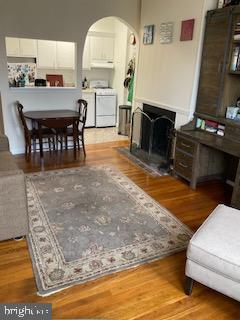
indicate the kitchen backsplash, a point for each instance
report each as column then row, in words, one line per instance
column 95, row 74
column 69, row 76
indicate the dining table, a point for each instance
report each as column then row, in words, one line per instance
column 54, row 119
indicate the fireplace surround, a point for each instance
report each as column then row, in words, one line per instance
column 152, row 136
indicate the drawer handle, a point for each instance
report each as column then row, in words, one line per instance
column 185, row 145
column 183, row 165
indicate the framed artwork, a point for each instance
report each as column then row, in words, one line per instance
column 56, row 80
column 166, row 32
column 23, row 74
column 148, row 34
column 187, row 30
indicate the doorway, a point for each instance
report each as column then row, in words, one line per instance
column 108, row 74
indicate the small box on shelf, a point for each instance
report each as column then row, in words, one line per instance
column 210, row 126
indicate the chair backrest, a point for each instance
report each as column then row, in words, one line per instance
column 23, row 119
column 82, row 111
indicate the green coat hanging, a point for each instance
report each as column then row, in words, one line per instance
column 130, row 89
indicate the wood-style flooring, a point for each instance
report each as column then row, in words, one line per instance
column 152, row 291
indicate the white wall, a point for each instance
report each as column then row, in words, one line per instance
column 168, row 73
column 120, row 59
column 104, row 25
column 123, row 53
column 58, row 20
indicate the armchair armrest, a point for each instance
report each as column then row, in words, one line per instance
column 13, row 205
column 4, row 144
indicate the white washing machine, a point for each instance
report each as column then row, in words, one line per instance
column 106, row 103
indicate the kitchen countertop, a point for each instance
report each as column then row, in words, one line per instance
column 89, row 90
column 43, row 88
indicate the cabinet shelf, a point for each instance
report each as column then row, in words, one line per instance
column 234, row 72
column 210, row 133
column 225, row 121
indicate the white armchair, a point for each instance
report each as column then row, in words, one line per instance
column 213, row 256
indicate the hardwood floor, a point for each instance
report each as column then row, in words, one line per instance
column 151, row 291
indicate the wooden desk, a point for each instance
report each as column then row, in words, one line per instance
column 54, row 119
column 201, row 156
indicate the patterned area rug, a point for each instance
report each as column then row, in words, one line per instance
column 92, row 221
column 150, row 169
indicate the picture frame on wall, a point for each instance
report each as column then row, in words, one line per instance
column 166, row 32
column 187, row 30
column 148, row 34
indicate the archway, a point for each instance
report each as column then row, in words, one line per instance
column 110, row 54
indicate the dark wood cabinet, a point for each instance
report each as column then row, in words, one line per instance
column 184, row 160
column 215, row 60
column 200, row 156
column 208, row 147
column 218, row 84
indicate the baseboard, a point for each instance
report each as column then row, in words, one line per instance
column 17, row 151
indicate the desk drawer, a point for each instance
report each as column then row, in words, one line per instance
column 185, row 145
column 183, row 164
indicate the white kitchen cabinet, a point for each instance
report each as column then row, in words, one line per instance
column 86, row 61
column 28, row 48
column 12, row 47
column 17, row 47
column 46, row 58
column 96, row 48
column 108, row 49
column 49, row 54
column 91, row 110
column 56, row 55
column 102, row 48
column 65, row 55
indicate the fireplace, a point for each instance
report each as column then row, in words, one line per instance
column 152, row 135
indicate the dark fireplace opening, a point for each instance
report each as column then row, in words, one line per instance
column 152, row 135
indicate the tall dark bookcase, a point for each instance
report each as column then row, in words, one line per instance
column 219, row 83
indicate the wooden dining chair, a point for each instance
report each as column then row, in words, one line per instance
column 31, row 135
column 60, row 126
column 82, row 116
